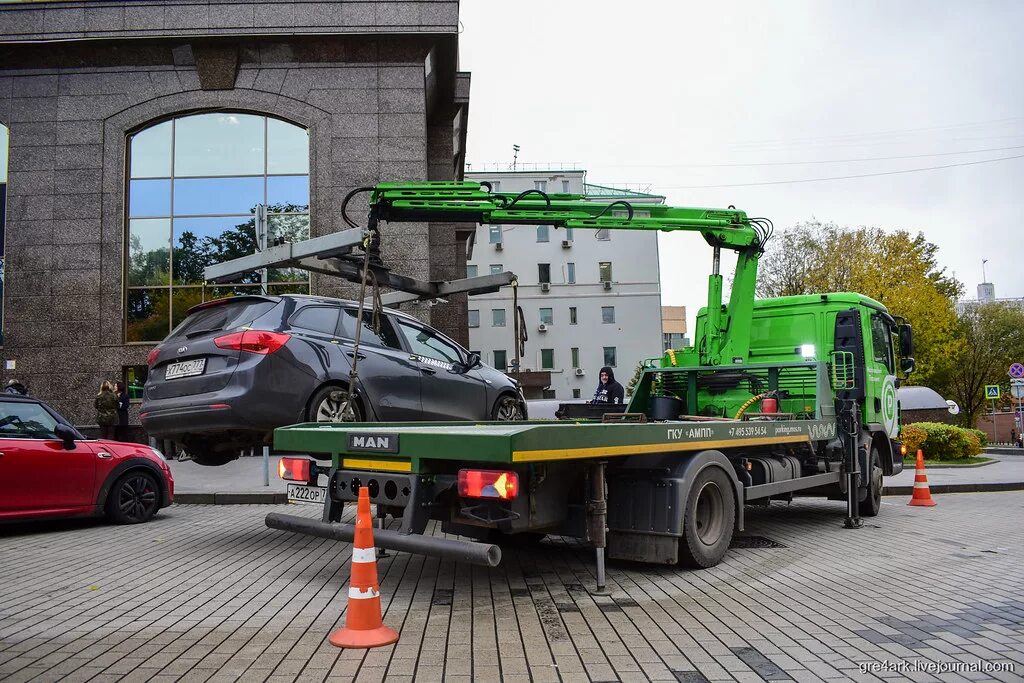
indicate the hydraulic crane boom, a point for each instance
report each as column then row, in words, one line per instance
column 727, row 338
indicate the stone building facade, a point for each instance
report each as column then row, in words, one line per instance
column 375, row 84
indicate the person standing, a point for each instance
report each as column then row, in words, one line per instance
column 609, row 392
column 122, row 412
column 15, row 387
column 106, row 410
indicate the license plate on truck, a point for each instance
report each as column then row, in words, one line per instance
column 187, row 368
column 314, row 495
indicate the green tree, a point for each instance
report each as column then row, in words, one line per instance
column 896, row 268
column 987, row 339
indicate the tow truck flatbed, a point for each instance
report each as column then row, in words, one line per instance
column 411, row 447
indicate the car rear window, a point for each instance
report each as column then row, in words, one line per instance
column 221, row 317
column 317, row 318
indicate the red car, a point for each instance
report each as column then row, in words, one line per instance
column 48, row 469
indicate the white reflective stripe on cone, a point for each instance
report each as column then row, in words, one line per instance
column 920, row 484
column 364, row 555
column 359, row 594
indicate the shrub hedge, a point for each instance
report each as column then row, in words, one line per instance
column 941, row 441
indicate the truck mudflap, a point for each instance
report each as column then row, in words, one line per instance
column 411, row 497
column 646, row 501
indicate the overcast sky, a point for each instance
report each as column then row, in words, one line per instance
column 645, row 92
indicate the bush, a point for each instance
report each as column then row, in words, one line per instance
column 941, row 441
column 982, row 437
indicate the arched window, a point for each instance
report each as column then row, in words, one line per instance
column 204, row 189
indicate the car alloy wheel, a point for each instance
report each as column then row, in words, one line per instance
column 137, row 498
column 508, row 410
column 336, row 407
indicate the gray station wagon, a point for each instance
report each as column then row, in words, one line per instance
column 236, row 368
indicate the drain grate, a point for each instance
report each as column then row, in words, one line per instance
column 754, row 542
column 442, row 596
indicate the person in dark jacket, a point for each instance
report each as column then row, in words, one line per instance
column 106, row 410
column 608, row 390
column 122, row 412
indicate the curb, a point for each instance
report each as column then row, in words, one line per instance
column 1004, row 450
column 261, row 498
column 957, row 488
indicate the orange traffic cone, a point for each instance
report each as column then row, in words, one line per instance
column 363, row 625
column 922, row 496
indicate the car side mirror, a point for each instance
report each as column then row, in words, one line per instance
column 473, row 361
column 907, row 365
column 67, row 435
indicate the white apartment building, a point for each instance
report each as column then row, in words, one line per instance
column 589, row 298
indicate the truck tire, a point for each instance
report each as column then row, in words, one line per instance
column 873, row 500
column 708, row 520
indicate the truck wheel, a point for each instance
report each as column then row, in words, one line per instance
column 708, row 520
column 873, row 501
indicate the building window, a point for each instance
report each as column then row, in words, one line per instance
column 543, row 272
column 568, row 234
column 575, row 393
column 572, row 315
column 500, row 360
column 204, row 189
column 603, row 234
column 575, row 353
column 498, row 317
column 607, row 314
column 494, row 233
column 474, row 318
column 495, row 185
column 565, row 186
column 543, row 233
column 471, row 270
column 570, row 273
column 604, row 271
column 609, row 356
column 547, row 359
column 541, row 185
column 546, row 316
column 496, row 269
column 547, row 393
column 134, row 378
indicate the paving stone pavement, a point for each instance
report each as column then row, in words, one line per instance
column 209, row 593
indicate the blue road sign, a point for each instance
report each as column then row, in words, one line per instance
column 1017, row 370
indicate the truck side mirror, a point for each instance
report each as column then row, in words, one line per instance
column 907, row 365
column 906, row 341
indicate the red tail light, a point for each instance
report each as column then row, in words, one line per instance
column 295, row 469
column 495, row 484
column 152, row 357
column 253, row 341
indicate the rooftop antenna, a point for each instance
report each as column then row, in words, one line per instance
column 515, row 156
column 983, row 262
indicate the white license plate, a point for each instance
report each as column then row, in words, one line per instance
column 300, row 493
column 186, row 368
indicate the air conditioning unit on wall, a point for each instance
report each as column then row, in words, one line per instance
column 607, row 284
column 498, row 246
column 566, row 244
column 542, row 327
column 545, row 286
column 580, row 372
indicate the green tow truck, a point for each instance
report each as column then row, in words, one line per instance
column 777, row 397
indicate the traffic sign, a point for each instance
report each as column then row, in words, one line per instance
column 1017, row 370
column 1018, row 391
column 992, row 391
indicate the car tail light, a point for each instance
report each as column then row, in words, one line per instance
column 152, row 357
column 295, row 469
column 253, row 341
column 495, row 484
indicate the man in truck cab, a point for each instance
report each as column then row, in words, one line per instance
column 608, row 390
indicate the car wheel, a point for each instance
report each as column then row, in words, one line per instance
column 871, row 504
column 134, row 498
column 507, row 409
column 708, row 519
column 334, row 404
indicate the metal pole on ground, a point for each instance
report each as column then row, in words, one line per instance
column 266, row 465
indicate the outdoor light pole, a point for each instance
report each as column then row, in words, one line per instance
column 983, row 262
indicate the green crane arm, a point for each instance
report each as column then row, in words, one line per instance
column 727, row 335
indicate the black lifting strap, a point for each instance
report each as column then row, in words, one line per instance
column 519, row 327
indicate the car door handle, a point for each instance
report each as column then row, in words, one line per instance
column 428, row 371
column 353, row 354
column 103, row 455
